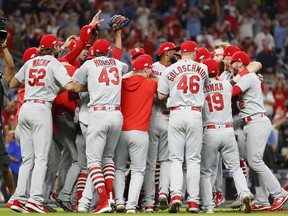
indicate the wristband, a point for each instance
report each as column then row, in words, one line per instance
column 4, row 47
column 232, row 82
column 243, row 72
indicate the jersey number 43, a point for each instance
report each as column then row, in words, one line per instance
column 104, row 76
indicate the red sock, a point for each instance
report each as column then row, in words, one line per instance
column 98, row 182
column 109, row 173
column 81, row 185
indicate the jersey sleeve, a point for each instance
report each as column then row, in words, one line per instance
column 245, row 82
column 163, row 86
column 20, row 76
column 61, row 74
column 81, row 75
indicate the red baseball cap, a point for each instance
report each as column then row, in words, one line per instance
column 85, row 33
column 101, row 46
column 230, row 50
column 167, row 46
column 188, row 46
column 49, row 40
column 149, row 58
column 136, row 52
column 30, row 53
column 141, row 63
column 241, row 57
column 212, row 66
column 90, row 53
column 203, row 53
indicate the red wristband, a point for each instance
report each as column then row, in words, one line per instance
column 243, row 72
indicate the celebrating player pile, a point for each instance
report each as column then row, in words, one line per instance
column 178, row 113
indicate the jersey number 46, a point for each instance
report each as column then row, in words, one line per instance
column 191, row 83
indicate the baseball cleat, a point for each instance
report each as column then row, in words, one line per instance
column 219, row 199
column 120, row 208
column 19, row 207
column 246, row 200
column 149, row 209
column 163, row 201
column 103, row 207
column 278, row 202
column 193, row 207
column 256, row 207
column 36, row 207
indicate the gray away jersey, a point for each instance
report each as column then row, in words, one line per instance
column 251, row 100
column 226, row 75
column 184, row 82
column 103, row 76
column 158, row 105
column 217, row 107
column 42, row 77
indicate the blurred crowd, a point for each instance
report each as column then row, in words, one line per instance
column 258, row 27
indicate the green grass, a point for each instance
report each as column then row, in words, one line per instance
column 218, row 211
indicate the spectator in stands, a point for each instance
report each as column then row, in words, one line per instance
column 269, row 101
column 266, row 37
column 10, row 109
column 193, row 22
column 280, row 33
column 280, row 93
column 268, row 59
column 282, row 126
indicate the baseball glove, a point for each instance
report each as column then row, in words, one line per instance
column 118, row 22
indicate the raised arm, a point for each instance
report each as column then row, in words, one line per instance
column 9, row 72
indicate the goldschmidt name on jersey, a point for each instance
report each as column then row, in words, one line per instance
column 186, row 68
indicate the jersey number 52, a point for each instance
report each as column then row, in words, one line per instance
column 104, row 76
column 36, row 77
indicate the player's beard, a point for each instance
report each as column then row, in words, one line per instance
column 56, row 54
column 173, row 59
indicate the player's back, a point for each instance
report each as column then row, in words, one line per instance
column 251, row 101
column 43, row 77
column 217, row 107
column 186, row 80
column 104, row 80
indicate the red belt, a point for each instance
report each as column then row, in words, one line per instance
column 186, row 108
column 166, row 112
column 96, row 108
column 36, row 101
column 250, row 118
column 215, row 126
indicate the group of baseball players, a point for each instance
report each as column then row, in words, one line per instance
column 104, row 130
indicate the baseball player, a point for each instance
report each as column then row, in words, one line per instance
column 183, row 84
column 103, row 77
column 202, row 53
column 217, row 170
column 158, row 148
column 136, row 102
column 40, row 76
column 219, row 137
column 256, row 124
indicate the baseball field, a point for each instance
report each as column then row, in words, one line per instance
column 218, row 211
